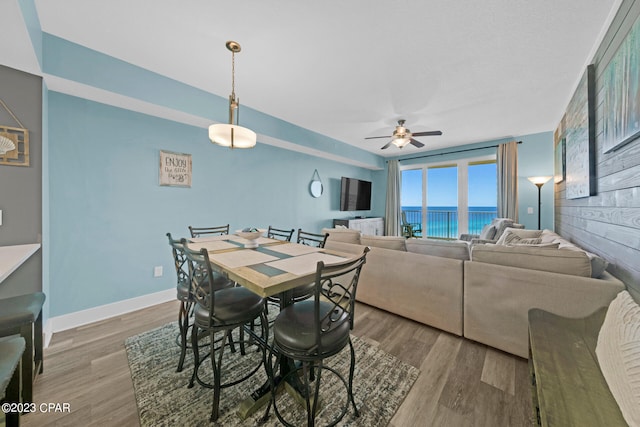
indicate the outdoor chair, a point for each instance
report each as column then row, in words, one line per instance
column 410, row 229
column 312, row 330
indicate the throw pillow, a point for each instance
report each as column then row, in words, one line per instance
column 488, row 232
column 520, row 232
column 618, row 352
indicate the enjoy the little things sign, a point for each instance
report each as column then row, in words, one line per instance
column 175, row 169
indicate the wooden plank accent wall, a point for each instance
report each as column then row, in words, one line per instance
column 609, row 223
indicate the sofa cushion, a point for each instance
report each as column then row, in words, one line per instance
column 513, row 233
column 618, row 352
column 488, row 232
column 388, row 242
column 534, row 258
column 598, row 264
column 442, row 248
column 346, row 235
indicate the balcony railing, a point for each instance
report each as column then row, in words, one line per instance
column 443, row 224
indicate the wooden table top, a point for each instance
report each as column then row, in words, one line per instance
column 274, row 267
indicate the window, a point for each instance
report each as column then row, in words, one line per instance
column 447, row 199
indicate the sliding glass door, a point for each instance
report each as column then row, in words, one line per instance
column 447, row 199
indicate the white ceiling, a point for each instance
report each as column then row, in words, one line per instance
column 477, row 70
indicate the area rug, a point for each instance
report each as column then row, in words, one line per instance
column 381, row 383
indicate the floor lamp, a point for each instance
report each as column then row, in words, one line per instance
column 539, row 181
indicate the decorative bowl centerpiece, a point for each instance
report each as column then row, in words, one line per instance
column 251, row 235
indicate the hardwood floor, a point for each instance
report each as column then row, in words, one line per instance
column 462, row 383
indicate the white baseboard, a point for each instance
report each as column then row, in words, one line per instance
column 95, row 314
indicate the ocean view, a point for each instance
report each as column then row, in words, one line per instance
column 443, row 220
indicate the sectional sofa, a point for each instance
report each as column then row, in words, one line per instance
column 483, row 291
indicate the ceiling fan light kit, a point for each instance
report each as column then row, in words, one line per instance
column 402, row 136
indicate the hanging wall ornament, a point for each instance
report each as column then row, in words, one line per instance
column 14, row 142
column 315, row 186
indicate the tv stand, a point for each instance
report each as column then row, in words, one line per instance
column 368, row 226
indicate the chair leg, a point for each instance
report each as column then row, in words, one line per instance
column 183, row 324
column 12, row 395
column 216, row 373
column 38, row 344
column 196, row 354
column 26, row 331
column 351, row 370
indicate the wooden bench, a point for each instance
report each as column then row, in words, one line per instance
column 567, row 386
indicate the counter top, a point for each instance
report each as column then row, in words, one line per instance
column 12, row 257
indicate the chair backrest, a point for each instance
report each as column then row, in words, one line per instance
column 179, row 259
column 336, row 284
column 201, row 278
column 312, row 239
column 280, row 234
column 200, row 231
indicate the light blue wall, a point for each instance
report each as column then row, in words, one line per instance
column 109, row 216
column 535, row 158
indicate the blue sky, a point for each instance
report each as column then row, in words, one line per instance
column 443, row 186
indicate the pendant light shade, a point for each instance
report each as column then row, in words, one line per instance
column 232, row 135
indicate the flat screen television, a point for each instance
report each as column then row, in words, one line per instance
column 355, row 195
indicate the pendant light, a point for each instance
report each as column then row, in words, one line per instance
column 232, row 135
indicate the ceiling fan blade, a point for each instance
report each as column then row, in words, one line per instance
column 428, row 133
column 387, row 145
column 416, row 143
column 375, row 137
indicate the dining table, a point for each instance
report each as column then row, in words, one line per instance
column 273, row 267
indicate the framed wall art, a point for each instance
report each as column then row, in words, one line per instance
column 175, row 169
column 621, row 93
column 580, row 139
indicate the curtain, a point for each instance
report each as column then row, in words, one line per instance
column 392, row 209
column 507, row 169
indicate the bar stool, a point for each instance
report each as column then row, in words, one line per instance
column 11, row 351
column 22, row 315
column 312, row 330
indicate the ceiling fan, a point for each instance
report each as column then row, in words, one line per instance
column 403, row 136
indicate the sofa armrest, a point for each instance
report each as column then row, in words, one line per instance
column 482, row 241
column 468, row 237
column 497, row 299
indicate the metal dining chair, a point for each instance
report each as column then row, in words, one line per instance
column 183, row 294
column 311, row 239
column 204, row 231
column 280, row 234
column 312, row 330
column 220, row 311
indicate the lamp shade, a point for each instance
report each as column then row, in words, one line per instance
column 539, row 180
column 233, row 136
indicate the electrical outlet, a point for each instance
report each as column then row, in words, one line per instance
column 157, row 271
column 530, row 210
